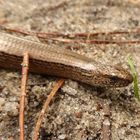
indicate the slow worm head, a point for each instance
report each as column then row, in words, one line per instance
column 111, row 76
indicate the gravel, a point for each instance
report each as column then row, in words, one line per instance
column 76, row 112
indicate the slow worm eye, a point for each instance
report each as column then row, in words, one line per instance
column 114, row 78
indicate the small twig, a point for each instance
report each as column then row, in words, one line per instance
column 45, row 108
column 32, row 33
column 96, row 41
column 107, row 33
column 56, row 34
column 25, row 66
column 106, row 123
column 72, row 38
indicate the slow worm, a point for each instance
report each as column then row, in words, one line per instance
column 59, row 62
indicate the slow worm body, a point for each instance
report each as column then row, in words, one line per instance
column 59, row 62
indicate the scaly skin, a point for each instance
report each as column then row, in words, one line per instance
column 60, row 62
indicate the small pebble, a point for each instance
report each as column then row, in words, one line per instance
column 62, row 136
column 2, row 102
column 12, row 108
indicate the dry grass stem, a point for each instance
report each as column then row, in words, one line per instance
column 57, row 85
column 25, row 66
column 106, row 123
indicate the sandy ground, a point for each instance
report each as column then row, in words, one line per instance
column 76, row 112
